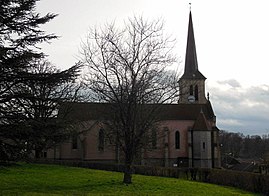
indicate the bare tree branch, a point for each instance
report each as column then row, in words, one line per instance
column 128, row 68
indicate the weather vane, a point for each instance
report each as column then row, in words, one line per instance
column 190, row 5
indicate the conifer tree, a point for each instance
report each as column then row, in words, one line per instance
column 19, row 35
column 25, row 79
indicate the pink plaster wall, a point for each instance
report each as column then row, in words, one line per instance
column 88, row 144
column 182, row 127
column 91, row 147
column 173, row 126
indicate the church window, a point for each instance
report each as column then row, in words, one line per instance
column 44, row 154
column 191, row 90
column 154, row 138
column 196, row 93
column 177, row 140
column 203, row 145
column 101, row 140
column 74, row 142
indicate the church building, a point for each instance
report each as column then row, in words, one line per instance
column 190, row 135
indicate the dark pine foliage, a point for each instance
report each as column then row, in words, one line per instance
column 30, row 88
column 19, row 34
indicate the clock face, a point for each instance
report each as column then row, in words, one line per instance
column 191, row 99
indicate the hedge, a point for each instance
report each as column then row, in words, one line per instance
column 253, row 182
column 244, row 180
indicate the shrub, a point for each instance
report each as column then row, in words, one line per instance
column 244, row 180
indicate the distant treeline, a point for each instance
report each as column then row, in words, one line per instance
column 239, row 145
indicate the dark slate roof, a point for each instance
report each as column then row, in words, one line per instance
column 191, row 65
column 99, row 111
column 201, row 123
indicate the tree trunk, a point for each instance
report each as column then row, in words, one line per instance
column 127, row 174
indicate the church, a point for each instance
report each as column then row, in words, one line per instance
column 190, row 135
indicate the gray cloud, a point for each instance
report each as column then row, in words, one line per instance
column 241, row 109
column 232, row 82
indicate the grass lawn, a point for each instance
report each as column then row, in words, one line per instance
column 35, row 179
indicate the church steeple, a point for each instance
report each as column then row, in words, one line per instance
column 191, row 65
column 192, row 82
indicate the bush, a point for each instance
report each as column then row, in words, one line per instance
column 244, row 180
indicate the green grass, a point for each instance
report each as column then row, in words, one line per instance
column 34, row 179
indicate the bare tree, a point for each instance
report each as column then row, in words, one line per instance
column 128, row 69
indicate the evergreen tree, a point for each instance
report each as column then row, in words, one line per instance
column 41, row 95
column 19, row 78
column 19, row 34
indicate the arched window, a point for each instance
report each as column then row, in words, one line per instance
column 74, row 142
column 101, row 140
column 154, row 138
column 196, row 93
column 177, row 140
column 191, row 90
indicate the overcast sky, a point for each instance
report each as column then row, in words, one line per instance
column 232, row 39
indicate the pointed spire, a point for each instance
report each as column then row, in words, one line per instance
column 191, row 65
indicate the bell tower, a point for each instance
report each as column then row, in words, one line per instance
column 192, row 82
